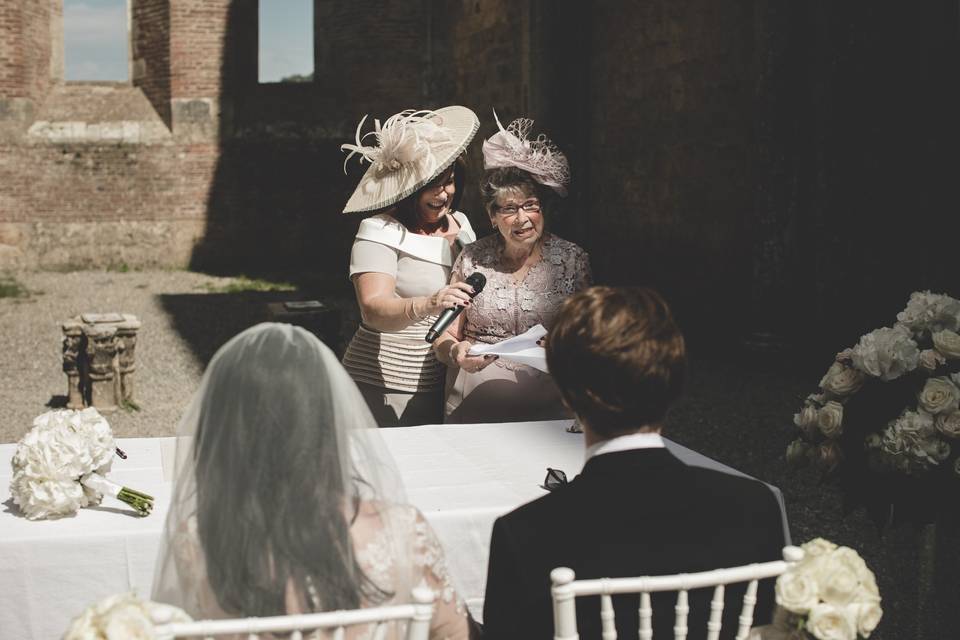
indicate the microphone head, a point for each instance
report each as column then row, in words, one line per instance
column 476, row 280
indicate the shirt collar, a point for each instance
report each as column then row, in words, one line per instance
column 630, row 441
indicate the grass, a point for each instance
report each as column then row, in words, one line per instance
column 243, row 283
column 10, row 288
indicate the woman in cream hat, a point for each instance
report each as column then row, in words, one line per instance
column 401, row 257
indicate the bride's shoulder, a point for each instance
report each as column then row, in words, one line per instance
column 379, row 513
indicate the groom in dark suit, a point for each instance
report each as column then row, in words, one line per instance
column 635, row 509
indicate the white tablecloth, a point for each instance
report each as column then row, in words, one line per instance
column 460, row 476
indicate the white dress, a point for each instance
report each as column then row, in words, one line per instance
column 377, row 554
column 399, row 369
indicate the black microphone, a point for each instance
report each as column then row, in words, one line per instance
column 476, row 280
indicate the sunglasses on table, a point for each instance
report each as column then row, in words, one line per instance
column 554, row 480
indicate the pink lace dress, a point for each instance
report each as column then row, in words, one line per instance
column 505, row 391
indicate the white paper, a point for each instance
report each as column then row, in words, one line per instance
column 522, row 349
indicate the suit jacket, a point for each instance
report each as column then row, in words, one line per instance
column 630, row 513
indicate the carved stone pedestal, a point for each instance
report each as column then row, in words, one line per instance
column 98, row 358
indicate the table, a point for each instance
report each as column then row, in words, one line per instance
column 461, row 477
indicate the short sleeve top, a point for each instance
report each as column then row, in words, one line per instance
column 419, row 264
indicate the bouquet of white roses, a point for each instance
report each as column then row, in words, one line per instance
column 830, row 595
column 889, row 405
column 60, row 466
column 123, row 617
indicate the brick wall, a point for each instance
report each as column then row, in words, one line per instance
column 197, row 33
column 12, row 69
column 670, row 106
column 714, row 145
column 37, row 46
column 150, row 52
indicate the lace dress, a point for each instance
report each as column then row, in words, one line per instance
column 505, row 391
column 395, row 547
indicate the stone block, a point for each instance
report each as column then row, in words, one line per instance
column 99, row 360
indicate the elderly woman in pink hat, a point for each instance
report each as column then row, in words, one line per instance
column 401, row 258
column 529, row 273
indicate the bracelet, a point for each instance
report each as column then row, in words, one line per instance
column 411, row 311
column 413, row 305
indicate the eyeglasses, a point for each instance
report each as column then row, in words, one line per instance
column 530, row 206
column 554, row 480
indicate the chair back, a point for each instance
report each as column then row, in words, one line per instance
column 418, row 613
column 566, row 588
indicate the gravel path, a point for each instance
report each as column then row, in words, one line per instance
column 186, row 316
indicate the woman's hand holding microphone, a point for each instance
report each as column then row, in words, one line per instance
column 450, row 296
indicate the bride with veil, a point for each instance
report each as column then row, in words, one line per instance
column 285, row 499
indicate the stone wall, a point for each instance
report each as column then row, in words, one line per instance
column 670, row 109
column 734, row 154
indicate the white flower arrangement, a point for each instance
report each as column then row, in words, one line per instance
column 61, row 463
column 830, row 595
column 911, row 426
column 123, row 617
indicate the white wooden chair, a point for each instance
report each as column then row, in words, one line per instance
column 418, row 613
column 566, row 588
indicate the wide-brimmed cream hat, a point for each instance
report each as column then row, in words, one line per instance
column 412, row 148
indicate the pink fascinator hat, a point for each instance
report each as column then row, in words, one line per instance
column 539, row 157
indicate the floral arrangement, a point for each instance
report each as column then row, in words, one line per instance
column 123, row 617
column 61, row 463
column 886, row 419
column 830, row 595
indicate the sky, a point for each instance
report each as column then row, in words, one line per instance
column 96, row 41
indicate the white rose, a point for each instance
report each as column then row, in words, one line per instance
column 61, row 447
column 798, row 452
column 913, row 443
column 930, row 359
column 948, row 343
column 829, row 622
column 939, row 395
column 928, row 311
column 886, row 353
column 841, row 380
column 807, row 420
column 851, row 559
column 122, row 617
column 949, row 424
column 915, row 316
column 127, row 622
column 839, row 584
column 868, row 617
column 817, row 547
column 796, row 590
column 829, row 455
column 830, row 419
column 82, row 627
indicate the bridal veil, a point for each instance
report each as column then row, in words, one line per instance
column 285, row 498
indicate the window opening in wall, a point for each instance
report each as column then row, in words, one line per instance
column 96, row 40
column 286, row 41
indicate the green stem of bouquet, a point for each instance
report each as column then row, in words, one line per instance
column 141, row 502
